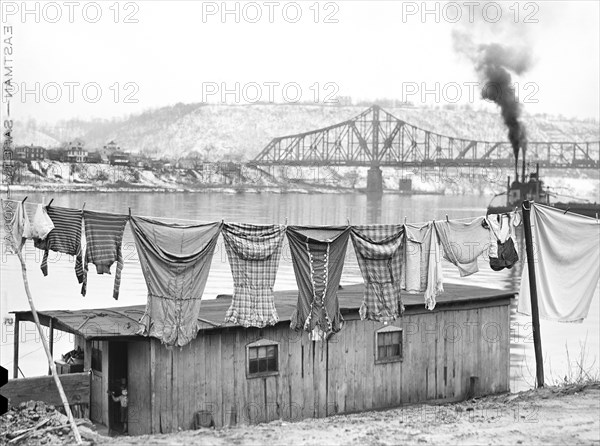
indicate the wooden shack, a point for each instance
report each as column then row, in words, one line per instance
column 233, row 375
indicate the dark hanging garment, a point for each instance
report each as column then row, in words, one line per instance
column 507, row 256
column 379, row 253
column 64, row 238
column 254, row 252
column 318, row 255
column 104, row 236
column 175, row 260
column 502, row 252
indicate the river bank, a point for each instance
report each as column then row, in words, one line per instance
column 553, row 415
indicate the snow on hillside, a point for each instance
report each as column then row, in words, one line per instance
column 240, row 132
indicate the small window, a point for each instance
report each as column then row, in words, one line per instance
column 96, row 356
column 262, row 358
column 388, row 343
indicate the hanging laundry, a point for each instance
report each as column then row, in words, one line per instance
column 104, row 235
column 566, row 263
column 254, row 253
column 318, row 258
column 16, row 225
column 463, row 243
column 422, row 263
column 502, row 247
column 379, row 253
column 41, row 224
column 175, row 260
column 64, row 238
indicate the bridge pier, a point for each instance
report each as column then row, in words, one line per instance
column 375, row 180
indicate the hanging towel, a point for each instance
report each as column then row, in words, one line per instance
column 103, row 236
column 64, row 238
column 318, row 258
column 379, row 253
column 463, row 243
column 41, row 224
column 16, row 225
column 175, row 260
column 254, row 253
column 566, row 263
column 422, row 263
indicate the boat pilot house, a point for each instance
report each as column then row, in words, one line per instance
column 229, row 374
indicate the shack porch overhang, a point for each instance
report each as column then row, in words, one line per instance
column 112, row 323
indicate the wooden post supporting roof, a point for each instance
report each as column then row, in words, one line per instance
column 51, row 342
column 535, row 313
column 16, row 347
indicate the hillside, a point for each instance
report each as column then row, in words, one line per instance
column 239, row 132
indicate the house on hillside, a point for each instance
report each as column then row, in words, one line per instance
column 30, row 153
column 111, row 147
column 76, row 152
column 232, row 375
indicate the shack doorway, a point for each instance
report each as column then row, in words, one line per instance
column 117, row 382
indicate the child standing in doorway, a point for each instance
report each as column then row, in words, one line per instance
column 123, row 399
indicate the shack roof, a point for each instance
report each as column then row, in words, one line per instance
column 123, row 321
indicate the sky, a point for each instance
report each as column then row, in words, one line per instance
column 110, row 59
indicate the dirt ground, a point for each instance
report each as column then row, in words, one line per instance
column 555, row 415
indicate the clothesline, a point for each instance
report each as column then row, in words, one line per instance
column 176, row 260
column 192, row 220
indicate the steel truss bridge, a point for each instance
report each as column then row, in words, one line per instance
column 376, row 138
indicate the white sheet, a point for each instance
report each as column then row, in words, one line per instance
column 567, row 264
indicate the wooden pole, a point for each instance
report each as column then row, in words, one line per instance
column 51, row 342
column 16, row 347
column 535, row 313
column 51, row 364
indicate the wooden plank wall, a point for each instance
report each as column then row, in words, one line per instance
column 138, row 383
column 442, row 350
column 43, row 388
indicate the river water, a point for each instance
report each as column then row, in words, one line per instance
column 60, row 290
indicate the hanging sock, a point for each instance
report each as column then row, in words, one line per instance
column 318, row 258
column 253, row 252
column 463, row 243
column 379, row 253
column 422, row 263
column 64, row 238
column 175, row 260
column 16, row 225
column 566, row 263
column 104, row 236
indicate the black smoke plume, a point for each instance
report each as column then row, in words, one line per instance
column 494, row 64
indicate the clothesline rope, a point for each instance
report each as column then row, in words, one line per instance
column 192, row 220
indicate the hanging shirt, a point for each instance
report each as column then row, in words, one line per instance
column 422, row 263
column 463, row 243
column 16, row 225
column 379, row 253
column 566, row 263
column 64, row 238
column 41, row 224
column 104, row 235
column 318, row 258
column 175, row 260
column 254, row 253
